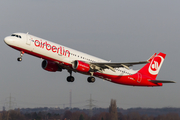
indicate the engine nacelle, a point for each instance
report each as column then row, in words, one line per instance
column 81, row 66
column 50, row 66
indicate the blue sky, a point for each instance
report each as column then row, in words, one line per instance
column 117, row 30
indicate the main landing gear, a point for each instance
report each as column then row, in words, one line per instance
column 91, row 79
column 70, row 78
column 20, row 58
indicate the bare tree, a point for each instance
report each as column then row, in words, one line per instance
column 67, row 115
column 113, row 110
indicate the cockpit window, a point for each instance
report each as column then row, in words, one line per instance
column 18, row 36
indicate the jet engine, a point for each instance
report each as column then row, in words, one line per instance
column 50, row 66
column 81, row 66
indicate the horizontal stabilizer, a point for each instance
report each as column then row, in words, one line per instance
column 161, row 81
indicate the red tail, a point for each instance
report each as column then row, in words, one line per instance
column 152, row 68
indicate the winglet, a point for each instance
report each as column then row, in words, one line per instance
column 152, row 57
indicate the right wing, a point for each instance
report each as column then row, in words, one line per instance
column 117, row 65
column 100, row 66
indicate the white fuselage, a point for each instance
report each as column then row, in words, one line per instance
column 47, row 49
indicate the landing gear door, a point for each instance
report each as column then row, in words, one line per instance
column 28, row 39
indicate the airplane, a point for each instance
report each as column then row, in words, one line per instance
column 57, row 57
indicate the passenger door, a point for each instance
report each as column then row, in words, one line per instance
column 28, row 39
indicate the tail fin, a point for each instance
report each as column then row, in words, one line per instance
column 152, row 68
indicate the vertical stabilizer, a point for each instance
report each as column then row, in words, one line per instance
column 152, row 68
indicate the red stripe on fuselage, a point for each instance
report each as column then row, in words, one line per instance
column 131, row 80
column 125, row 80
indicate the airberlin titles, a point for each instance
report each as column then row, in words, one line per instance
column 60, row 50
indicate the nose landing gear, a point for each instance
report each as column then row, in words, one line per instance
column 20, row 58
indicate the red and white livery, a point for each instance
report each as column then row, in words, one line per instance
column 58, row 57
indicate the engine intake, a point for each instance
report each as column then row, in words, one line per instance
column 81, row 66
column 50, row 66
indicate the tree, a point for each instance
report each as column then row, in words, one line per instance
column 134, row 116
column 169, row 116
column 14, row 115
column 113, row 110
column 67, row 115
column 81, row 117
column 36, row 116
column 121, row 116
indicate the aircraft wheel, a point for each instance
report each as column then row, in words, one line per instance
column 70, row 79
column 91, row 79
column 19, row 59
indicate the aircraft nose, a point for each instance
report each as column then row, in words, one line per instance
column 8, row 40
